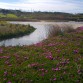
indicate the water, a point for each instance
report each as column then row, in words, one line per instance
column 41, row 33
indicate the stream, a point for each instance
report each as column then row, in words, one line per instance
column 41, row 33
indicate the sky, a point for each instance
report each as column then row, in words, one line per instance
column 69, row 6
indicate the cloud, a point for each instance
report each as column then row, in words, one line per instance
column 71, row 6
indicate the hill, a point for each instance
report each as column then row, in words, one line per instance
column 6, row 14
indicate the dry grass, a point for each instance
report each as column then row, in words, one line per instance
column 59, row 29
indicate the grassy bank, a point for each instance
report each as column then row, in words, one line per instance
column 56, row 60
column 8, row 30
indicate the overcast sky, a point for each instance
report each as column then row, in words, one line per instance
column 70, row 6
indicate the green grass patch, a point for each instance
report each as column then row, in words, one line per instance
column 11, row 16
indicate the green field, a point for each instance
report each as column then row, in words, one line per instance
column 8, row 16
column 58, row 59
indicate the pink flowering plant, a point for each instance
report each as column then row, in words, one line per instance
column 58, row 59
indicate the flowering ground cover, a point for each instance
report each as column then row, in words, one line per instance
column 58, row 59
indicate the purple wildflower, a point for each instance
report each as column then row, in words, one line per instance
column 54, row 79
column 79, row 29
column 14, row 75
column 55, row 69
column 39, row 44
column 49, row 56
column 42, row 74
column 75, row 51
column 51, row 44
column 9, row 82
column 5, row 73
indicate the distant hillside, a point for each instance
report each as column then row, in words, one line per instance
column 6, row 14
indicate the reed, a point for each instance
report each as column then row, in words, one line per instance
column 59, row 29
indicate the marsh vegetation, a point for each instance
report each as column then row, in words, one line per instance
column 8, row 30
